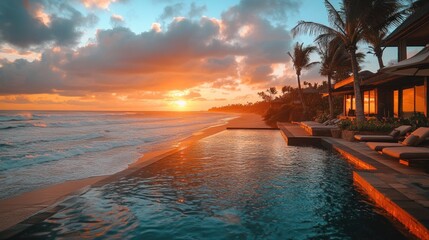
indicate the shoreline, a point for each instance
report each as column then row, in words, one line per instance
column 18, row 208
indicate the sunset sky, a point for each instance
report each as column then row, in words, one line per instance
column 150, row 54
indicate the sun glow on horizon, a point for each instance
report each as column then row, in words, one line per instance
column 181, row 103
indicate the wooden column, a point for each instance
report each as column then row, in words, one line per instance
column 402, row 50
column 425, row 82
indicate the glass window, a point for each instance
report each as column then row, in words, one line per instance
column 350, row 104
column 408, row 100
column 372, row 102
column 369, row 102
column 366, row 102
column 420, row 99
column 396, row 103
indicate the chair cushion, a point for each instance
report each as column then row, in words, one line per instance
column 374, row 138
column 378, row 146
column 407, row 152
column 422, row 133
column 394, row 133
column 403, row 129
column 411, row 140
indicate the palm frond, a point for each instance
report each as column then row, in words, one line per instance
column 309, row 65
column 334, row 16
column 312, row 28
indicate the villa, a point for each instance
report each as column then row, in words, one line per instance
column 391, row 92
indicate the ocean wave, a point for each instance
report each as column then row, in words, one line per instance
column 3, row 145
column 20, row 117
column 22, row 125
column 83, row 115
column 33, row 158
column 80, row 137
column 99, row 122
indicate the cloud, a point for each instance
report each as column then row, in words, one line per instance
column 26, row 77
column 116, row 20
column 15, row 99
column 24, row 23
column 192, row 95
column 226, row 83
column 171, row 11
column 196, row 11
column 187, row 55
column 265, row 43
column 156, row 27
column 102, row 4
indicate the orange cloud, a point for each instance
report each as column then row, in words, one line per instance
column 103, row 4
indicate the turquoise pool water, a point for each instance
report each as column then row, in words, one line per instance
column 232, row 185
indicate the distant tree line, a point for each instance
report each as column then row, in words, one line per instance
column 259, row 107
column 286, row 105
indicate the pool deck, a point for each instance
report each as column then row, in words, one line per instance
column 402, row 191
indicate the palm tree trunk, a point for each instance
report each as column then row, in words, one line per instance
column 380, row 60
column 360, row 117
column 379, row 54
column 304, row 109
column 330, row 100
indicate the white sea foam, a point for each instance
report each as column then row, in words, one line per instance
column 42, row 148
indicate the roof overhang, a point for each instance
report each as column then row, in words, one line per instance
column 414, row 30
column 348, row 82
column 418, row 65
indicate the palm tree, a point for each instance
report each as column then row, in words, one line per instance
column 272, row 91
column 376, row 30
column 348, row 25
column 301, row 60
column 335, row 63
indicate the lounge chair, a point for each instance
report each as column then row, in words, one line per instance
column 409, row 156
column 414, row 139
column 391, row 137
column 407, row 152
column 319, row 129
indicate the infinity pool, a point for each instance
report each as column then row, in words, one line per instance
column 233, row 185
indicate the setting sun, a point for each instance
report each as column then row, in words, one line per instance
column 181, row 103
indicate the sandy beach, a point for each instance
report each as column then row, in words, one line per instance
column 21, row 207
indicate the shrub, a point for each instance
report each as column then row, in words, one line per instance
column 322, row 117
column 345, row 124
column 285, row 113
column 372, row 125
column 416, row 120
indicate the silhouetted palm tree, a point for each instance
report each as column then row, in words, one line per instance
column 348, row 25
column 335, row 63
column 376, row 29
column 301, row 60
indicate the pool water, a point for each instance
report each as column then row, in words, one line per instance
column 236, row 184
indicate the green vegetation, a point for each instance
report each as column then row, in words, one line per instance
column 257, row 107
column 384, row 125
column 372, row 125
column 286, row 108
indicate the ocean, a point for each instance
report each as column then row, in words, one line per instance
column 40, row 148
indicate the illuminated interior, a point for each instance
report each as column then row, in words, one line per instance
column 396, row 103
